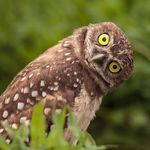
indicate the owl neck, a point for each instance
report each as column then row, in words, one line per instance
column 101, row 86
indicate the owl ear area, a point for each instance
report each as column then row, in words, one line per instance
column 103, row 39
column 80, row 33
column 79, row 41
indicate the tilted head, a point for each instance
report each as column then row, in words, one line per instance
column 106, row 53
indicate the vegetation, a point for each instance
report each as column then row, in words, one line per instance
column 55, row 140
column 28, row 27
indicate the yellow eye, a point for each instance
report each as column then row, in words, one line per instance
column 103, row 39
column 114, row 67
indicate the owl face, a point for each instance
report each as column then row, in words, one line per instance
column 107, row 53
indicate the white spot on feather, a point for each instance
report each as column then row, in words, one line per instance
column 29, row 101
column 56, row 88
column 42, row 83
column 23, row 119
column 68, row 74
column 23, row 79
column 1, row 130
column 55, row 83
column 77, row 80
column 30, row 76
column 47, row 111
column 27, row 122
column 14, row 126
column 51, row 88
column 31, row 85
column 44, row 94
column 26, row 90
column 75, row 73
column 34, row 93
column 72, row 62
column 5, row 114
column 92, row 94
column 47, row 66
column 16, row 97
column 75, row 85
column 22, row 90
column 20, row 106
column 7, row 100
column 8, row 141
column 66, row 54
column 68, row 59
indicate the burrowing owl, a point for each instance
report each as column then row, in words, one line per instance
column 78, row 71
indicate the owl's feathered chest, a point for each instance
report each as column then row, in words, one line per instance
column 85, row 108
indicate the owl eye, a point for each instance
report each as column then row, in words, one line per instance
column 114, row 67
column 103, row 39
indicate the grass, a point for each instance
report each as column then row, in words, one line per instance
column 55, row 140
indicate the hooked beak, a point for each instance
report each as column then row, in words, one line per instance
column 98, row 57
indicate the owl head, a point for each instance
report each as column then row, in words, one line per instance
column 106, row 53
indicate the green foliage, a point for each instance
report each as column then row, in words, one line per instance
column 55, row 140
column 29, row 27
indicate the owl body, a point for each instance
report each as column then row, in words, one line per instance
column 75, row 72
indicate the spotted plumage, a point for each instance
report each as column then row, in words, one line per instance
column 78, row 72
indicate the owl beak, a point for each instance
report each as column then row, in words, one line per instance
column 98, row 57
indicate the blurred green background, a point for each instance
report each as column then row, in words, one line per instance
column 29, row 27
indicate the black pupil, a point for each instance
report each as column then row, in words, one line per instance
column 114, row 66
column 104, row 39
